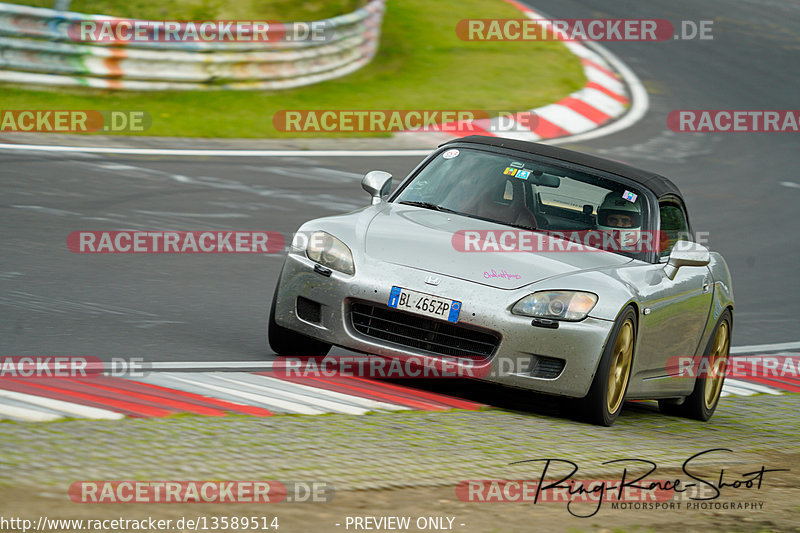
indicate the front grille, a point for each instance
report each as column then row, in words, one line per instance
column 422, row 333
column 547, row 367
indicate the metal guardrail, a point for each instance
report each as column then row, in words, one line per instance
column 37, row 46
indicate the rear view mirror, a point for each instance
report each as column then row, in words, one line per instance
column 377, row 183
column 686, row 253
column 545, row 180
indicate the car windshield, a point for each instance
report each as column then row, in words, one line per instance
column 529, row 194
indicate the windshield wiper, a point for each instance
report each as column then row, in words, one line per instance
column 494, row 221
column 522, row 226
column 428, row 205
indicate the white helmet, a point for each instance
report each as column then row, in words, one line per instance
column 621, row 213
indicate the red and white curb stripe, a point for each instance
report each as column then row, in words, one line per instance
column 767, row 380
column 218, row 393
column 604, row 98
column 210, row 394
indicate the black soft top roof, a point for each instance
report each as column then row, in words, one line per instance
column 655, row 182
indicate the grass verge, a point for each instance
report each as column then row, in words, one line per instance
column 421, row 65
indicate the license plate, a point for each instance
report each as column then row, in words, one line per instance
column 424, row 304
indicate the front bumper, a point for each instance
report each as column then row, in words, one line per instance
column 579, row 344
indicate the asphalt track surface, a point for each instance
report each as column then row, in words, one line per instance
column 743, row 189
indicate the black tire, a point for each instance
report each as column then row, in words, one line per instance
column 602, row 405
column 286, row 342
column 704, row 399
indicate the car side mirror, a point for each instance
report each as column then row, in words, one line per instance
column 377, row 183
column 686, row 253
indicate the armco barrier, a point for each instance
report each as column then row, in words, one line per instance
column 36, row 48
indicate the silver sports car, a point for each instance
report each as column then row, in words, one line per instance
column 529, row 265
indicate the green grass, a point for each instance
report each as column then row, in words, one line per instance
column 421, row 65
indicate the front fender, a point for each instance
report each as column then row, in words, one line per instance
column 723, row 285
column 722, row 299
column 350, row 228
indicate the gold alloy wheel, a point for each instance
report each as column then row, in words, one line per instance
column 620, row 369
column 717, row 362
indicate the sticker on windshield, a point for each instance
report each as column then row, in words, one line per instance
column 628, row 195
column 510, row 171
column 450, row 154
column 523, row 174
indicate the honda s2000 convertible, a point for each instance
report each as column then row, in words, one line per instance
column 552, row 270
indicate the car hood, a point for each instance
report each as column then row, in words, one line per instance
column 423, row 239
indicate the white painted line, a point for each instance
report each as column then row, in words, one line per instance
column 791, row 184
column 216, row 153
column 329, row 405
column 509, row 128
column 258, row 398
column 358, row 400
column 520, row 135
column 756, row 348
column 30, row 415
column 69, row 408
column 757, row 387
column 434, row 137
column 198, row 365
column 733, row 389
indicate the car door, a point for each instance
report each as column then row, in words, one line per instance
column 674, row 311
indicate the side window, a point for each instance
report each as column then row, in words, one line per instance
column 673, row 226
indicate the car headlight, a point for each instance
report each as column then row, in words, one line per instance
column 330, row 252
column 556, row 305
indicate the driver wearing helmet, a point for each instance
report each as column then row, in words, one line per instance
column 622, row 218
